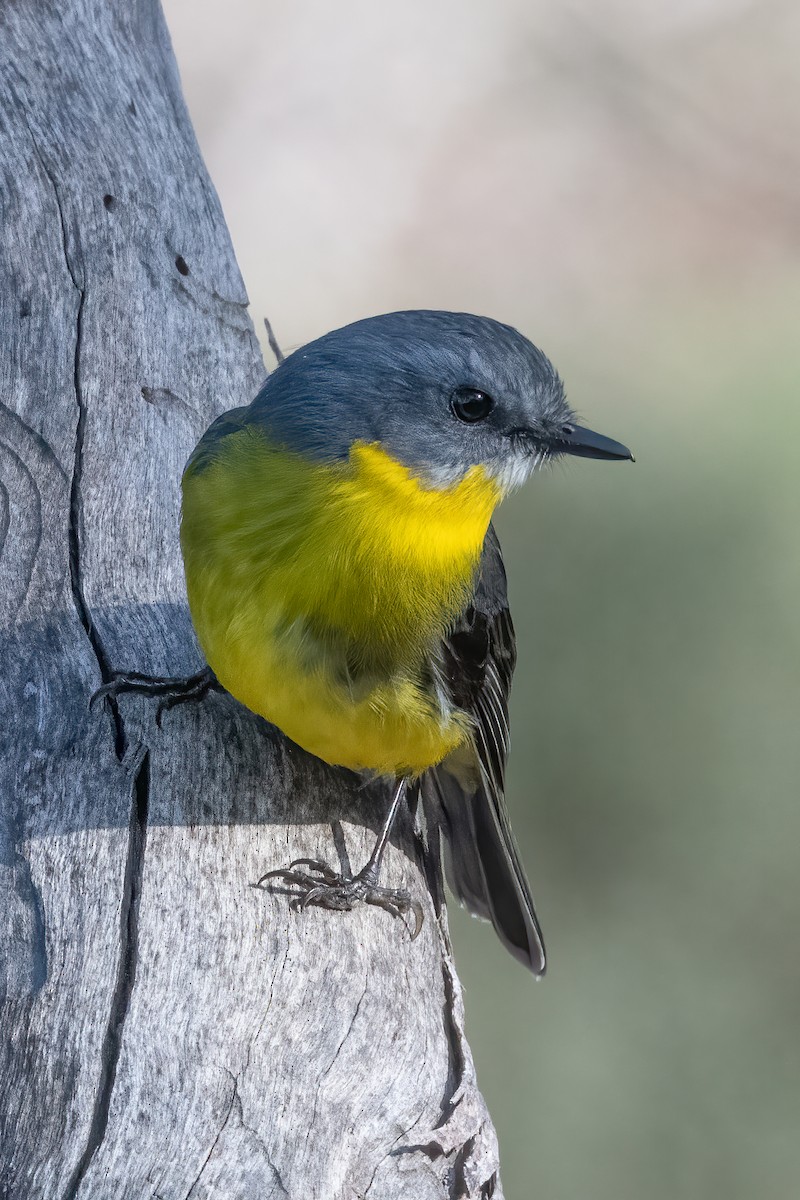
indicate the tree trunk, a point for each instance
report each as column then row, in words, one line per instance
column 168, row 1030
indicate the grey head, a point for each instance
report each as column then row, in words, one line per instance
column 441, row 392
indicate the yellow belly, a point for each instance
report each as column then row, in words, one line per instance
column 394, row 728
column 318, row 593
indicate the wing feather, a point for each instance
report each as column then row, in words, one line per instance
column 482, row 861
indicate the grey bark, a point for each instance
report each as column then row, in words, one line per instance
column 167, row 1030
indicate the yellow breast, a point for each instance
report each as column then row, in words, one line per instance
column 318, row 591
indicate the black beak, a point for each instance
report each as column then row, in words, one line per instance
column 574, row 439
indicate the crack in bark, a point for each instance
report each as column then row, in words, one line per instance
column 220, row 1131
column 390, row 1153
column 440, row 1143
column 262, row 1145
column 75, row 499
column 455, row 1080
column 126, row 972
column 458, row 1186
column 5, row 514
column 74, row 532
column 137, row 831
column 235, row 1097
column 331, row 1064
column 140, row 800
column 278, row 971
column 431, row 860
column 236, row 1102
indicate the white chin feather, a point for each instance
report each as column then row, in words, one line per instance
column 516, row 470
column 510, row 473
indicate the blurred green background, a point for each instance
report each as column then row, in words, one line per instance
column 654, row 783
column 620, row 181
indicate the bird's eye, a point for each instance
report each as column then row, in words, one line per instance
column 471, row 405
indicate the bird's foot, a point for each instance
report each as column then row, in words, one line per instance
column 168, row 690
column 321, row 885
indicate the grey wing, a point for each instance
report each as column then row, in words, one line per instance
column 482, row 862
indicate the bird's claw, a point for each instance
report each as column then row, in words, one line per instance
column 168, row 690
column 328, row 889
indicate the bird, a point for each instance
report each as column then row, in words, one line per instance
column 346, row 582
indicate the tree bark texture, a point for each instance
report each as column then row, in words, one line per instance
column 167, row 1030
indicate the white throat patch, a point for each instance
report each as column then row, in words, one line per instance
column 516, row 469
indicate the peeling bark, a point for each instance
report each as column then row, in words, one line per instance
column 167, row 1030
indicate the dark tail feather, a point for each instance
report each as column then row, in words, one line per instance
column 483, row 866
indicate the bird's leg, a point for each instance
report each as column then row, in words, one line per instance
column 169, row 690
column 321, row 885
